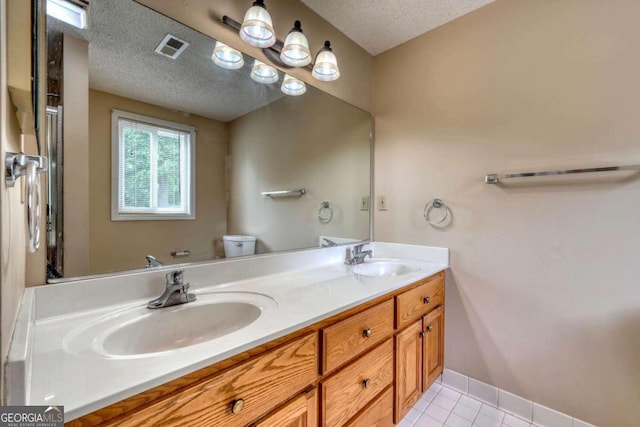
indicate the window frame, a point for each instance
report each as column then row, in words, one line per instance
column 116, row 153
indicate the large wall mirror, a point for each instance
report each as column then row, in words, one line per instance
column 161, row 156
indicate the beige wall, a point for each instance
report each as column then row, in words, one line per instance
column 75, row 134
column 314, row 141
column 543, row 299
column 355, row 63
column 122, row 245
column 12, row 211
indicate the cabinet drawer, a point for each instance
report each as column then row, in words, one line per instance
column 416, row 302
column 352, row 388
column 262, row 383
column 379, row 413
column 352, row 336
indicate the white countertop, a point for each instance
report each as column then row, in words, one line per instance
column 84, row 382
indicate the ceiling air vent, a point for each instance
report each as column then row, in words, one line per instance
column 171, row 46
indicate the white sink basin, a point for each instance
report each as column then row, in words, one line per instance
column 384, row 267
column 140, row 332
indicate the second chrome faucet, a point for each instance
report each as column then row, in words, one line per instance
column 357, row 255
column 176, row 291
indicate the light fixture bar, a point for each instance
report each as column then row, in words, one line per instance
column 273, row 52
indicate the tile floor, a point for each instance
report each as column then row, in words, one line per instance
column 442, row 406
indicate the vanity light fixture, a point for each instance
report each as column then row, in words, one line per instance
column 263, row 73
column 257, row 27
column 227, row 57
column 292, row 86
column 295, row 51
column 326, row 65
column 72, row 12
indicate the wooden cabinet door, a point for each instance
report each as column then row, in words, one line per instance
column 408, row 364
column 299, row 412
column 433, row 346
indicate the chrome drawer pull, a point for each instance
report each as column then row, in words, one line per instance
column 367, row 333
column 423, row 334
column 366, row 383
column 237, row 406
column 429, row 328
column 426, row 300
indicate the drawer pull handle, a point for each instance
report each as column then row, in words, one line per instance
column 367, row 333
column 426, row 300
column 366, row 383
column 423, row 334
column 237, row 406
column 429, row 328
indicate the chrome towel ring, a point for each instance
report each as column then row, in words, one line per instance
column 435, row 204
column 17, row 165
column 325, row 212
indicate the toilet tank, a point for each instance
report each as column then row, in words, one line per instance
column 237, row 245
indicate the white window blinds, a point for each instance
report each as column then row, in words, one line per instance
column 154, row 169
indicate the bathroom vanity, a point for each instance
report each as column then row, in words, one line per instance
column 333, row 347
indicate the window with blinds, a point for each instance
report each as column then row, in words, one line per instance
column 153, row 168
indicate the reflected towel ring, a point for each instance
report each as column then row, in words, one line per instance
column 33, row 206
column 436, row 204
column 325, row 212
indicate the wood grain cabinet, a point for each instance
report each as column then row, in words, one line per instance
column 302, row 411
column 364, row 367
column 419, row 344
column 237, row 396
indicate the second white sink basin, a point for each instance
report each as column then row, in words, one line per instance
column 384, row 267
column 140, row 332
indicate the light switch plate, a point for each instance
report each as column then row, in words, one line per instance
column 364, row 203
column 382, row 203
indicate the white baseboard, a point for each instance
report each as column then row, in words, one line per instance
column 510, row 403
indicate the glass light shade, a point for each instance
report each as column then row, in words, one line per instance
column 263, row 73
column 227, row 57
column 295, row 51
column 68, row 12
column 326, row 65
column 292, row 86
column 257, row 27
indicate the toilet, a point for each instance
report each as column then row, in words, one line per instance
column 237, row 245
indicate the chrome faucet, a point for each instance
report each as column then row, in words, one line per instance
column 357, row 255
column 175, row 293
column 153, row 261
column 329, row 243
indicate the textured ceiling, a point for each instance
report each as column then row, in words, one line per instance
column 122, row 38
column 379, row 25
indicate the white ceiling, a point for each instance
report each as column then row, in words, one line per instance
column 379, row 25
column 122, row 37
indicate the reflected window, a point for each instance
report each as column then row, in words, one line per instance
column 153, row 173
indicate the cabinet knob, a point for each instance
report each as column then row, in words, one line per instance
column 366, row 383
column 422, row 334
column 367, row 333
column 429, row 328
column 237, row 406
column 426, row 300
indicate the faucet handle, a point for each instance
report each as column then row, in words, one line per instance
column 175, row 277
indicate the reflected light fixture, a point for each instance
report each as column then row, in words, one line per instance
column 73, row 13
column 292, row 86
column 227, row 57
column 257, row 30
column 326, row 65
column 295, row 51
column 257, row 27
column 263, row 73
